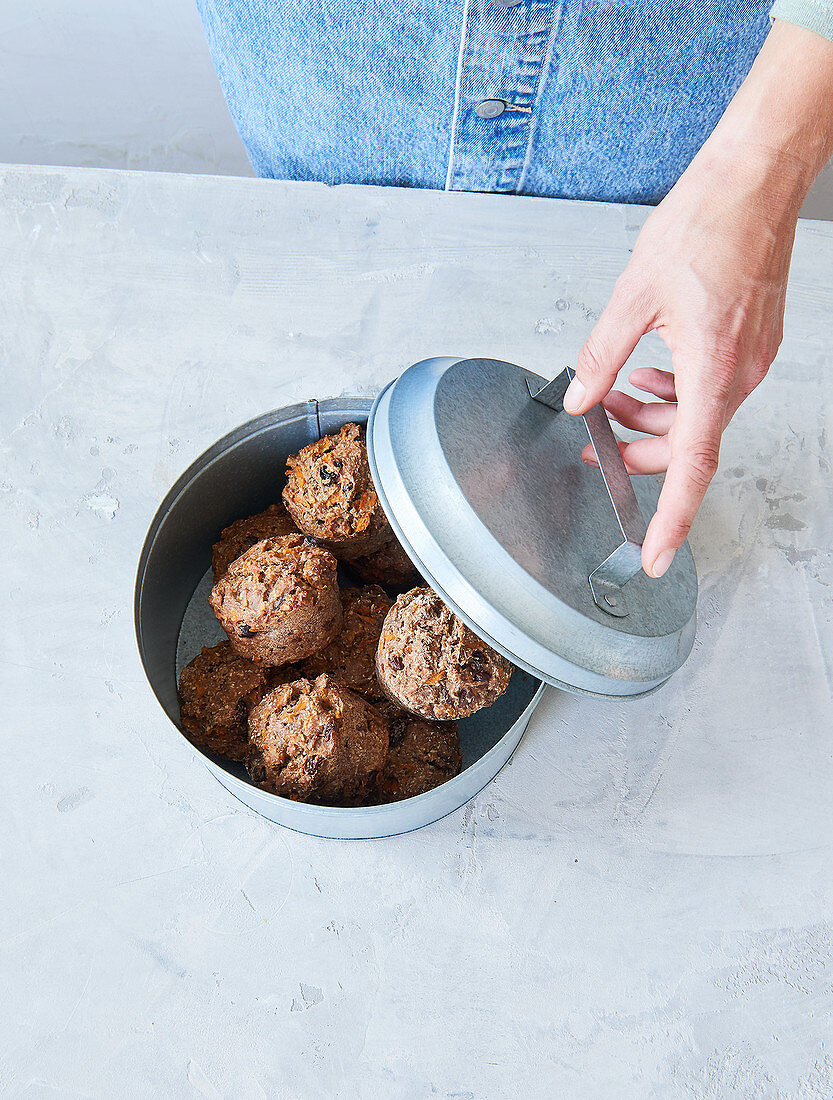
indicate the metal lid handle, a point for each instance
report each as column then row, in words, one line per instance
column 607, row 579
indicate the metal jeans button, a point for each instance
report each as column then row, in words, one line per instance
column 490, row 108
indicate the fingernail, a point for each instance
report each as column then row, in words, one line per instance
column 662, row 563
column 574, row 396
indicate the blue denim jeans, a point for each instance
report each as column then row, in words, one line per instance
column 591, row 99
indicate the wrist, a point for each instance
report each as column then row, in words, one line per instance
column 747, row 163
column 753, row 179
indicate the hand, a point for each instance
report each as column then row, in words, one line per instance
column 709, row 275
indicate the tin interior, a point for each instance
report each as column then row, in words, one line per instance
column 242, row 474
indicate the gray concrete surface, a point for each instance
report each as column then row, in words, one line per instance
column 640, row 904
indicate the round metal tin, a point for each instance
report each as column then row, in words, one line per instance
column 239, row 475
column 486, row 490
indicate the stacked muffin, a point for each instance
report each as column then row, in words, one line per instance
column 337, row 696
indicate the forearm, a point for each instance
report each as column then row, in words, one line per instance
column 779, row 126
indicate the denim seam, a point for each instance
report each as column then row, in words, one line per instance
column 457, row 96
column 543, row 76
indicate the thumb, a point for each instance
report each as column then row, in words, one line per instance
column 607, row 349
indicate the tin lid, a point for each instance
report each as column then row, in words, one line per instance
column 481, row 477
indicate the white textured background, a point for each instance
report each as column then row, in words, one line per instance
column 130, row 84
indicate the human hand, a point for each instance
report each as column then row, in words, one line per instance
column 708, row 274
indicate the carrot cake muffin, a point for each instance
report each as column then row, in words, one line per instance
column 350, row 658
column 421, row 755
column 216, row 691
column 244, row 533
column 430, row 663
column 330, row 495
column 389, row 566
column 316, row 742
column 279, row 601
